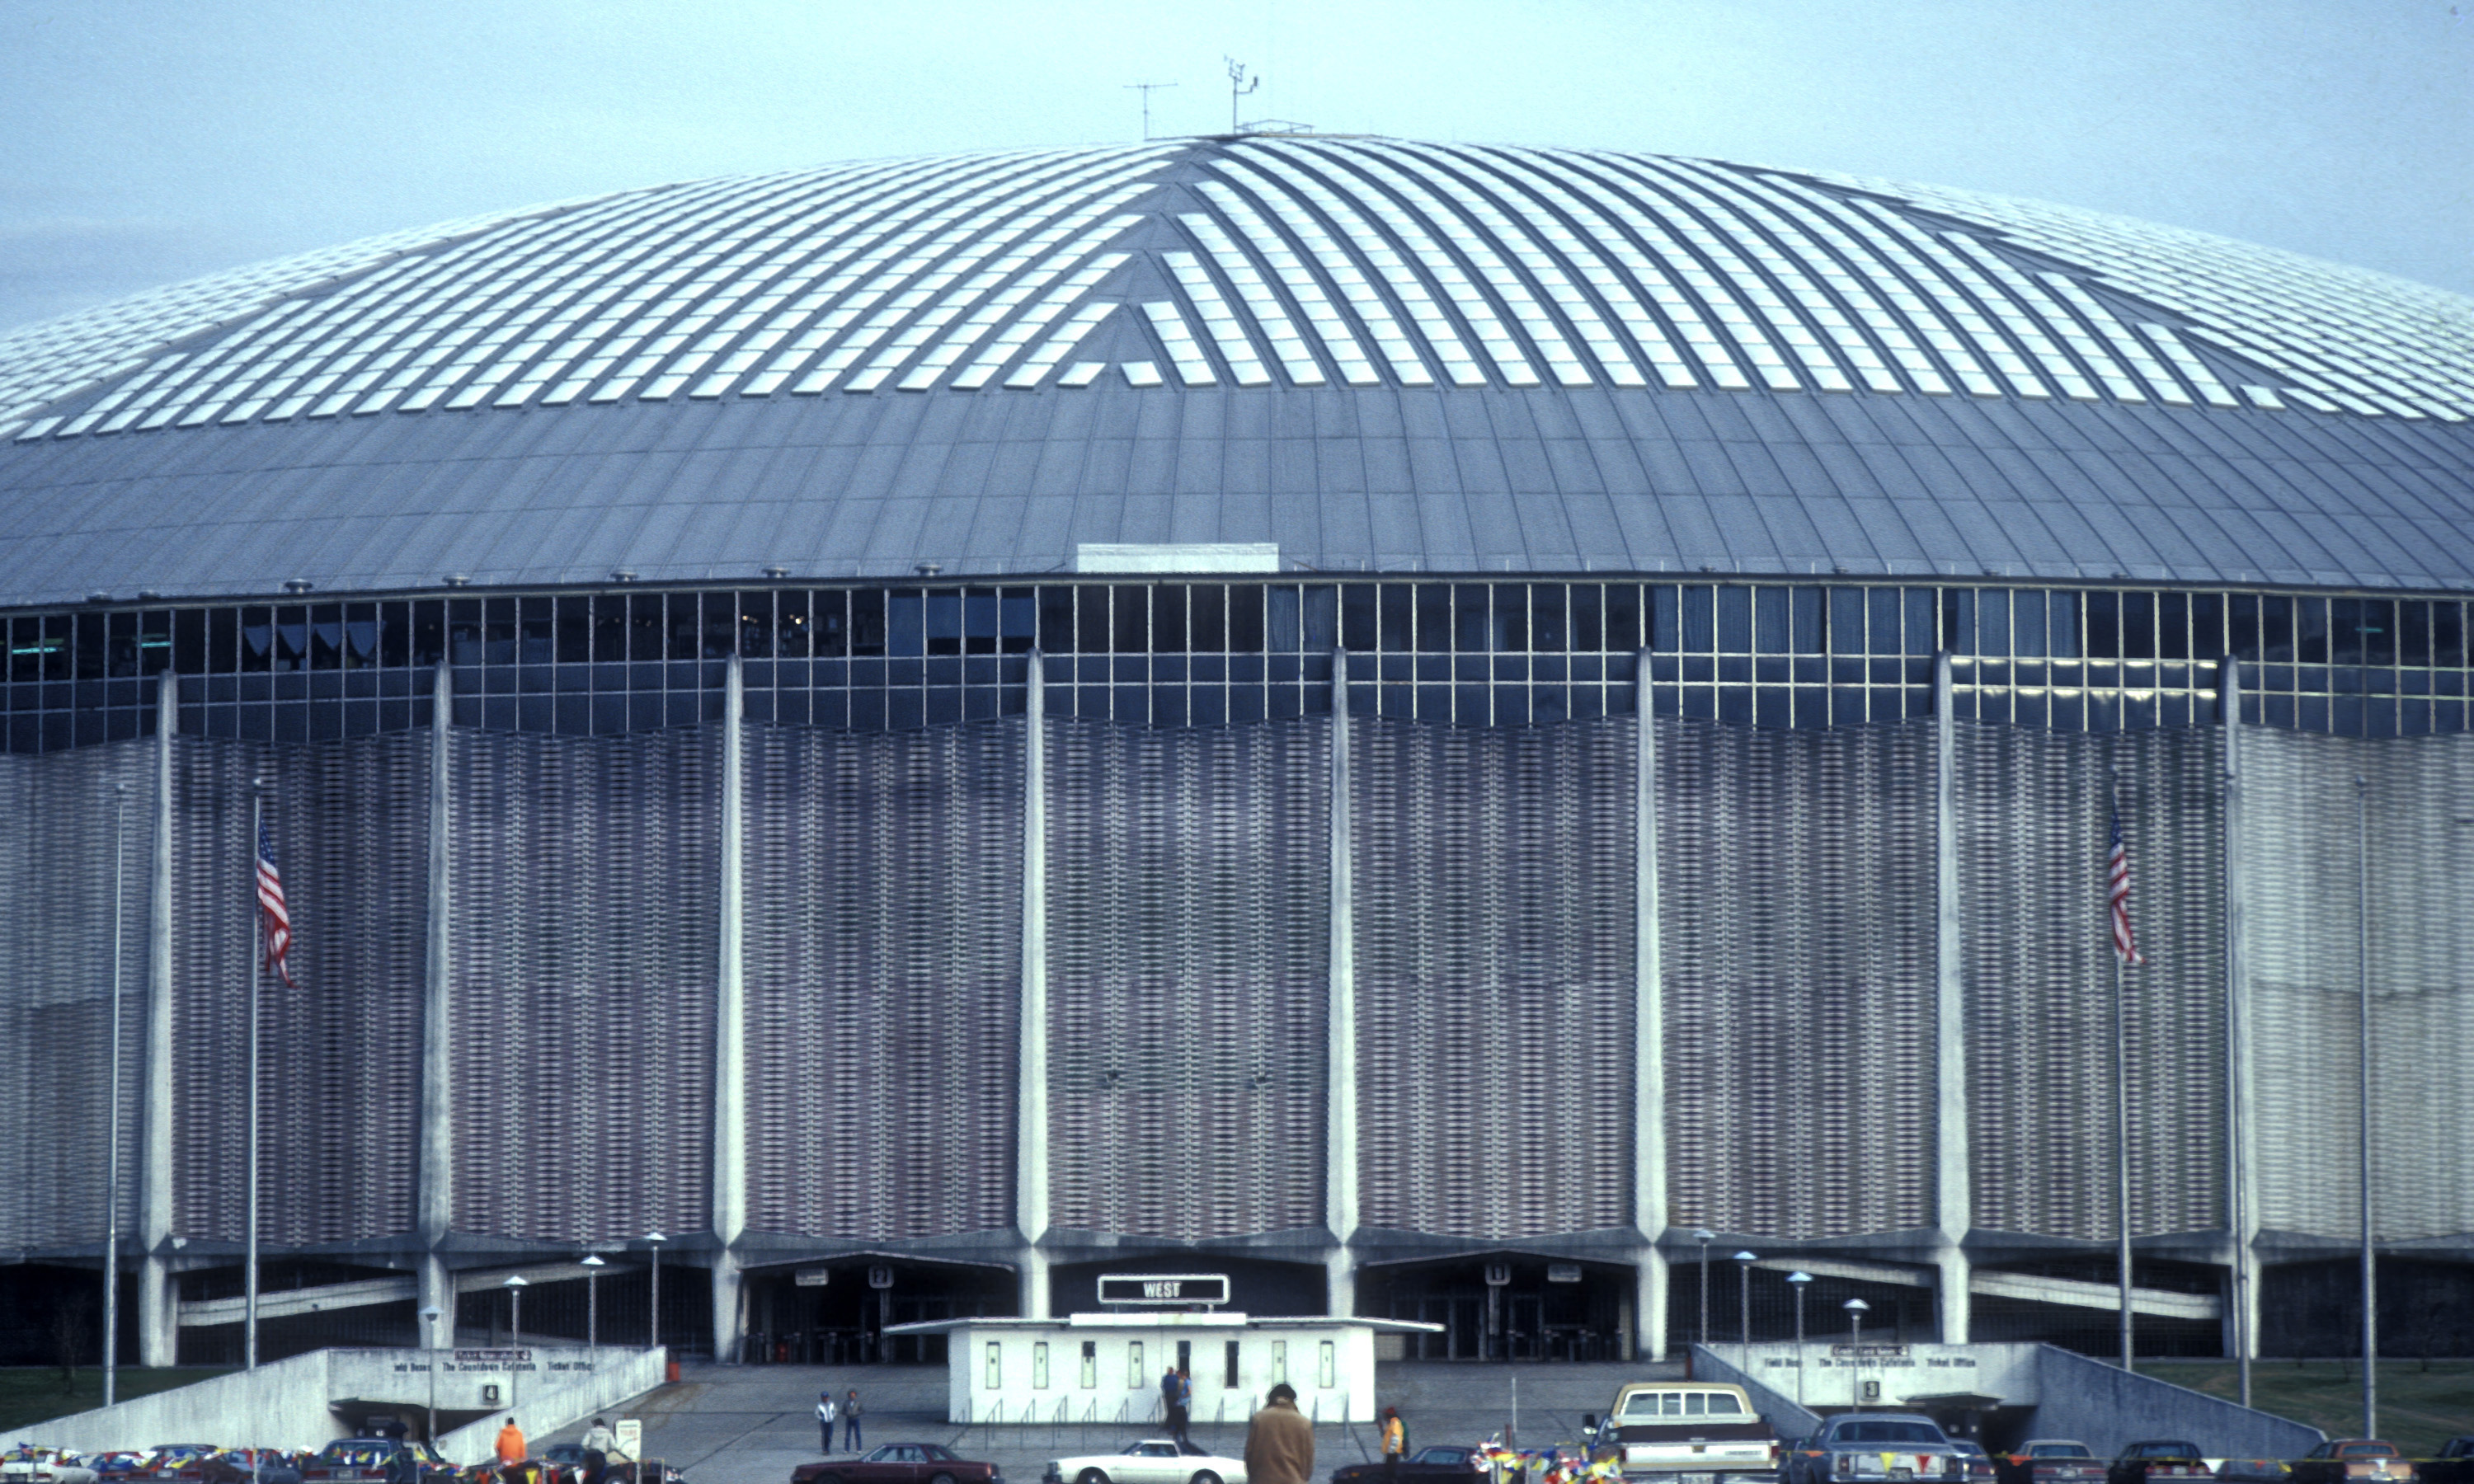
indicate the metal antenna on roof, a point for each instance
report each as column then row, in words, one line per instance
column 1146, row 89
column 1238, row 87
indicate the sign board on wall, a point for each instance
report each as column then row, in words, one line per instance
column 810, row 1277
column 1177, row 1289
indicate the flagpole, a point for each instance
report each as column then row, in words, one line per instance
column 256, row 971
column 2121, row 1110
column 2363, row 1092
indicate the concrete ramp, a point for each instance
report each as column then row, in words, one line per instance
column 308, row 1400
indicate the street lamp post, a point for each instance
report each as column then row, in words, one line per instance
column 593, row 1266
column 515, row 1286
column 1704, row 1237
column 1856, row 1308
column 653, row 1330
column 429, row 1318
column 112, row 1176
column 2363, row 1092
column 1797, row 1280
column 1744, row 1261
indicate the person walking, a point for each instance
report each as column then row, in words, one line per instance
column 1185, row 1410
column 1167, row 1401
column 1279, row 1440
column 1395, row 1442
column 825, row 1414
column 850, row 1421
column 511, row 1443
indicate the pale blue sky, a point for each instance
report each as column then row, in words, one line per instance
column 156, row 139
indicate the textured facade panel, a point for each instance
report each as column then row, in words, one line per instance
column 585, row 939
column 1796, row 906
column 1495, row 906
column 340, row 1049
column 1188, row 963
column 56, row 868
column 2032, row 837
column 884, row 932
column 2302, row 847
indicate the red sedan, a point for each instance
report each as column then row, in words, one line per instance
column 901, row 1463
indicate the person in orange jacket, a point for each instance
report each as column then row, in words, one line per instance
column 511, row 1443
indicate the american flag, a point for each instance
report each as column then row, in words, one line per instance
column 273, row 917
column 2117, row 877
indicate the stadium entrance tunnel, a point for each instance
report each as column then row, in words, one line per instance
column 835, row 1310
column 1505, row 1305
column 1256, row 1287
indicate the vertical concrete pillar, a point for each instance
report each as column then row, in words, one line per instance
column 1955, row 1198
column 1340, row 1026
column 730, row 1028
column 1031, row 1109
column 434, row 1198
column 1648, row 1035
column 157, row 1302
column 2242, row 1193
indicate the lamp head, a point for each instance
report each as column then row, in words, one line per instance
column 655, row 1238
column 593, row 1261
column 1799, row 1277
column 1705, row 1235
column 1745, row 1257
column 1856, row 1306
column 516, row 1280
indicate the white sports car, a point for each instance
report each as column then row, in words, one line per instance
column 1151, row 1461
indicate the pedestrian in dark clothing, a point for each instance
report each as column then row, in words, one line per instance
column 850, row 1421
column 1185, row 1410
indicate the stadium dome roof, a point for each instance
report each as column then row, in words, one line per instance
column 1382, row 355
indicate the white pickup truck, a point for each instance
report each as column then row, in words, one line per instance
column 1686, row 1431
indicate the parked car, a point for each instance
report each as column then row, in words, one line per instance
column 1147, row 1461
column 181, row 1461
column 2453, row 1463
column 373, row 1461
column 2050, row 1461
column 122, row 1466
column 899, row 1463
column 30, row 1465
column 1425, row 1466
column 2152, row 1459
column 1884, row 1446
column 1700, row 1427
column 2353, row 1461
column 2253, row 1470
column 248, row 1466
column 1979, row 1462
column 569, row 1456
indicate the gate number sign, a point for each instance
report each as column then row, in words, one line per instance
column 1166, row 1289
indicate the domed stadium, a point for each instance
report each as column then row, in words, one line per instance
column 1440, row 729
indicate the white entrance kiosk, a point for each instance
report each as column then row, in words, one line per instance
column 1103, row 1369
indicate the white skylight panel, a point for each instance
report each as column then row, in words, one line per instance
column 1362, row 297
column 1411, row 176
column 1018, row 334
column 1082, row 374
column 1141, row 373
column 1083, row 322
column 1287, row 343
column 2194, row 370
column 2030, row 316
column 991, row 312
column 1184, row 352
column 2132, row 351
column 1218, row 321
column 1338, row 340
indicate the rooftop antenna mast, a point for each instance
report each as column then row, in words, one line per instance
column 1239, row 85
column 1147, row 90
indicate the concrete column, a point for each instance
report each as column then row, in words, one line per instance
column 157, row 1300
column 2242, row 1191
column 1031, row 1109
column 730, row 1029
column 1340, row 1026
column 1648, row 1034
column 434, row 1198
column 1956, row 1200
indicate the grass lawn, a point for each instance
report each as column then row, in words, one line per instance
column 2418, row 1408
column 33, row 1394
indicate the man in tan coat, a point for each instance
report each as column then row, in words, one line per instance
column 1279, row 1440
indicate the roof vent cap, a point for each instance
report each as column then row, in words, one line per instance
column 624, row 574
column 98, row 597
column 777, row 573
column 456, row 580
column 298, row 585
column 928, row 569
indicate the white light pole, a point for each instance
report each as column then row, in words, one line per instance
column 593, row 1266
column 257, row 972
column 653, row 1328
column 111, row 1176
column 1856, row 1308
column 2363, row 1092
column 1704, row 1237
column 1797, row 1280
column 515, row 1286
column 430, row 1331
column 1744, row 1261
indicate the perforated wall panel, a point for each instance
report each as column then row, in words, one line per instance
column 2033, row 837
column 55, row 966
column 341, row 1049
column 1796, row 906
column 1495, row 915
column 883, row 971
column 1188, row 945
column 2300, row 841
column 585, row 931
